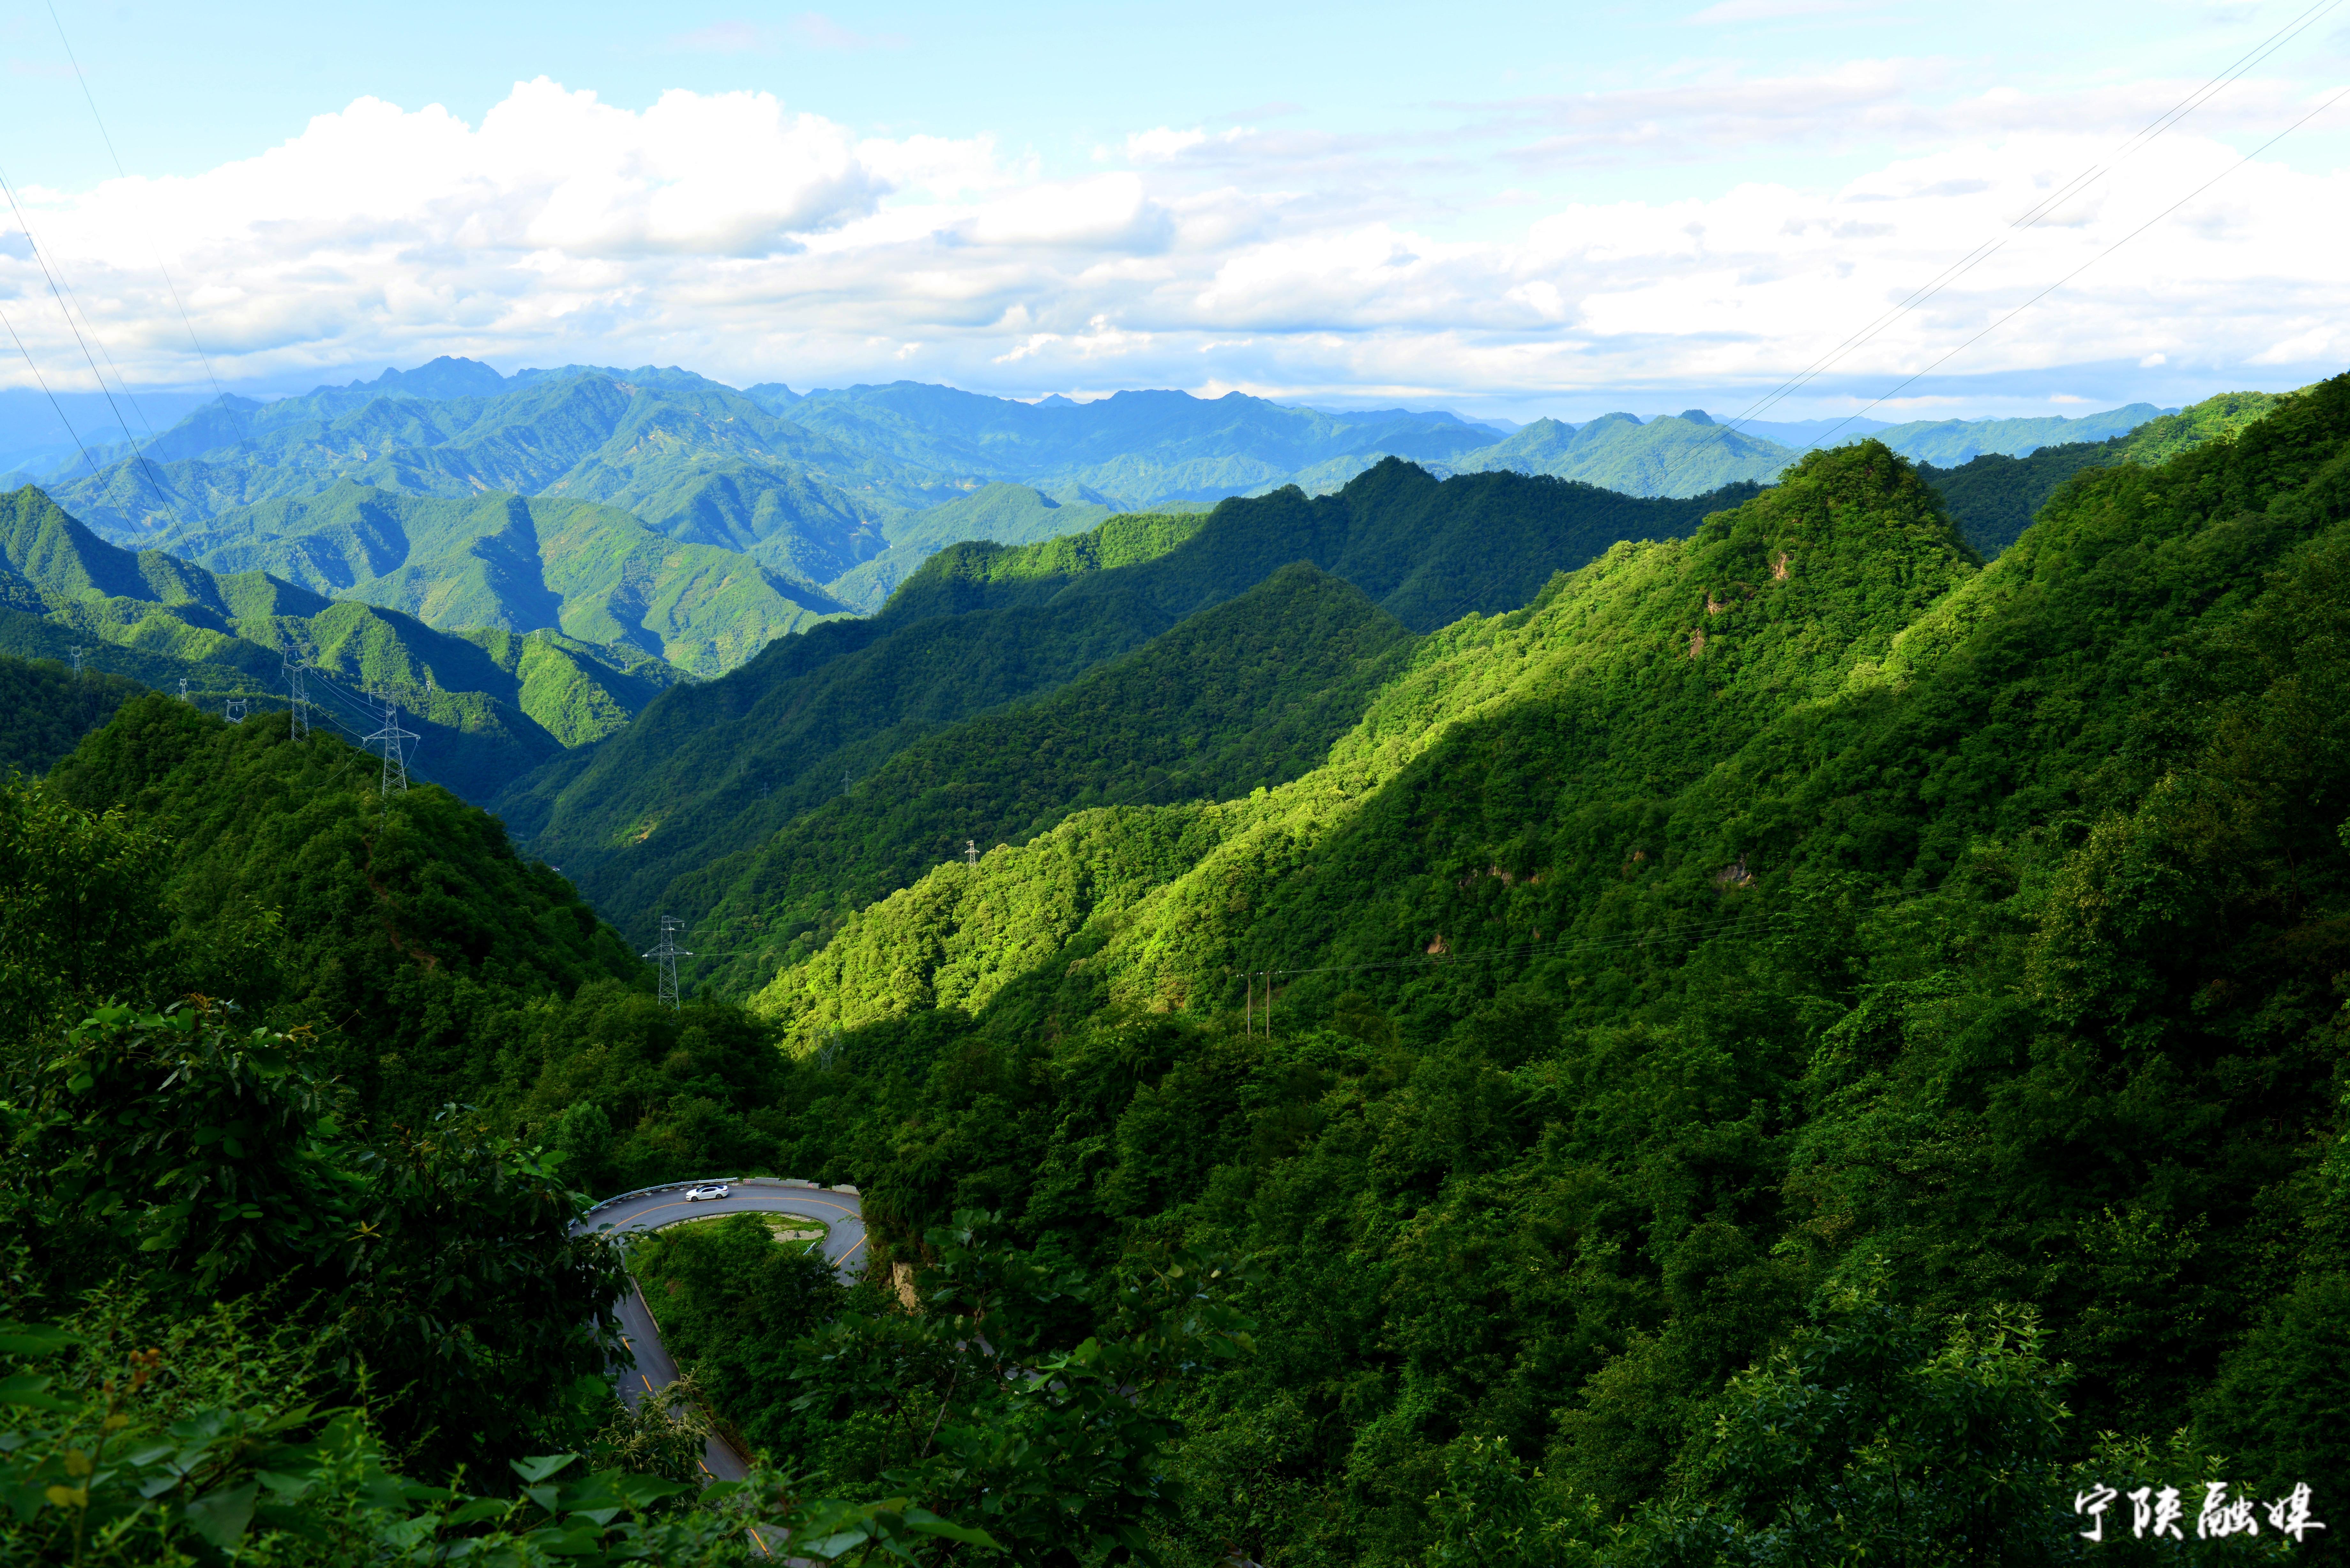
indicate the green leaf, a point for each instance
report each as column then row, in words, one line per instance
column 302, row 1522
column 538, row 1468
column 220, row 1516
column 33, row 1339
column 480, row 1509
column 929, row 1524
column 27, row 1389
column 834, row 1545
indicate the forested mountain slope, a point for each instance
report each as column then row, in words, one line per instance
column 1687, row 454
column 1950, row 443
column 1635, row 669
column 502, row 562
column 710, row 771
column 1000, row 513
column 488, row 704
column 46, row 709
column 1787, row 993
column 1994, row 496
column 277, row 1204
column 431, row 962
column 1242, row 696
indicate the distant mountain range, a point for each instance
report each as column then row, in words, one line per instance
column 1691, row 452
column 534, row 556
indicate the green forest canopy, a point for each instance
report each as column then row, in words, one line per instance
column 1793, row 1043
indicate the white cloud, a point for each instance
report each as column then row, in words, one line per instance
column 730, row 233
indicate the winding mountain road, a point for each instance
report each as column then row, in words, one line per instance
column 653, row 1207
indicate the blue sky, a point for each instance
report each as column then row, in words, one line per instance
column 1529, row 209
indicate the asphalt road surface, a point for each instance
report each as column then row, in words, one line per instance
column 656, row 1368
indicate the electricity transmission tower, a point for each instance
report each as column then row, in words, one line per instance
column 235, row 711
column 76, row 653
column 395, row 759
column 183, row 690
column 295, row 670
column 970, row 851
column 666, row 955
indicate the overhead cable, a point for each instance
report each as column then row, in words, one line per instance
column 41, row 381
column 2040, row 211
column 41, row 257
column 91, row 98
column 1908, row 380
column 2043, row 209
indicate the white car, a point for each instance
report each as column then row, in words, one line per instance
column 696, row 1194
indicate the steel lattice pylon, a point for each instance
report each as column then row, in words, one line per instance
column 666, row 955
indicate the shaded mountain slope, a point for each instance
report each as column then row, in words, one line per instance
column 710, row 771
column 1909, row 1020
column 1243, row 696
column 323, row 904
column 1949, row 443
column 46, row 709
column 1643, row 668
column 1995, row 497
column 1003, row 512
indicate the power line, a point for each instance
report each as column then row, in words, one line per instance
column 2046, row 207
column 2040, row 211
column 91, row 100
column 293, row 670
column 73, row 303
column 2093, row 261
column 40, row 256
column 41, row 381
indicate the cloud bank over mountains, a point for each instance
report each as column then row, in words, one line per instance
column 732, row 233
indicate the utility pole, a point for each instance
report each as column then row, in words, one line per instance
column 295, row 670
column 395, row 760
column 666, row 955
column 235, row 711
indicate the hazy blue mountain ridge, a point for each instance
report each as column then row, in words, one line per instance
column 688, row 453
column 1140, row 447
column 1948, row 442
